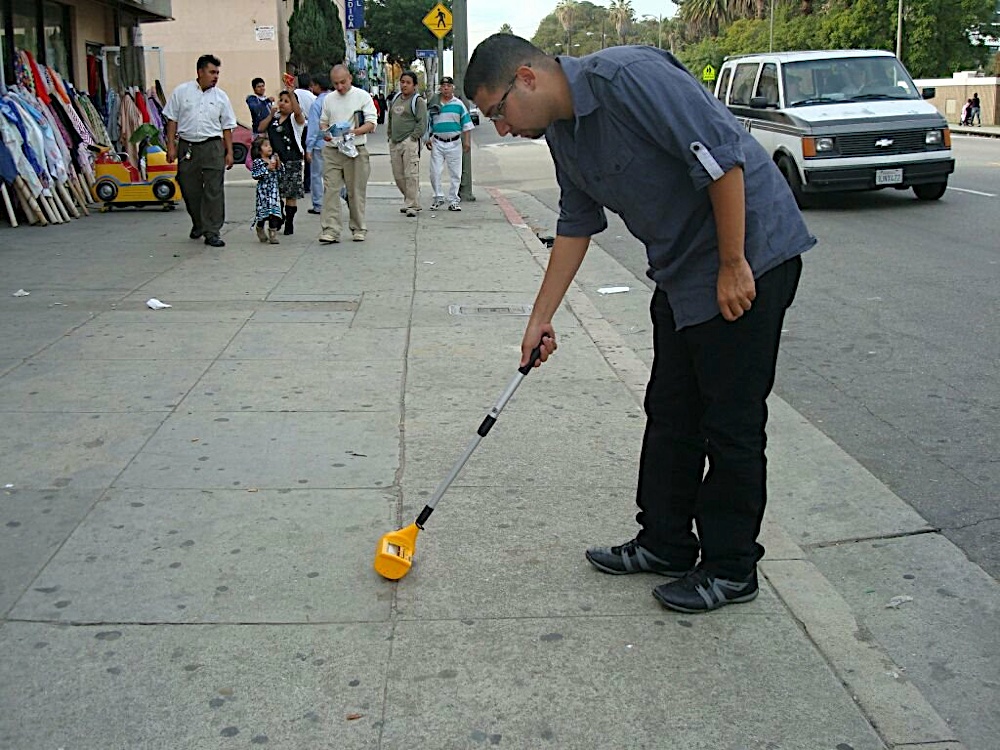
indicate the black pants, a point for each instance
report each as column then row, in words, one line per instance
column 201, row 177
column 706, row 400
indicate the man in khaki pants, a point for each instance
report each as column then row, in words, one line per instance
column 352, row 105
column 407, row 123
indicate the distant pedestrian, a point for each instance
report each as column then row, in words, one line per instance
column 284, row 128
column 259, row 104
column 266, row 168
column 201, row 119
column 630, row 129
column 314, row 143
column 304, row 91
column 407, row 123
column 353, row 108
column 966, row 113
column 975, row 116
column 451, row 135
column 382, row 107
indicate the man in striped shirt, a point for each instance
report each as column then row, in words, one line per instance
column 450, row 136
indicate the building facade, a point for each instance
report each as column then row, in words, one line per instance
column 250, row 37
column 70, row 35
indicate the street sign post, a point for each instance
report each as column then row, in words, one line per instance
column 708, row 74
column 439, row 21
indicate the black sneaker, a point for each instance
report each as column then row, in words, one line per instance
column 632, row 557
column 700, row 591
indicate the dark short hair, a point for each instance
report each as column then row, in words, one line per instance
column 255, row 147
column 495, row 61
column 289, row 95
column 304, row 80
column 409, row 74
column 205, row 60
column 323, row 81
column 255, row 81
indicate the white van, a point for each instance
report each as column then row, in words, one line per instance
column 840, row 120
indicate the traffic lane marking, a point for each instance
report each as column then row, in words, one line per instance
column 974, row 192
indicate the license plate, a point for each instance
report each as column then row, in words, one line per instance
column 888, row 176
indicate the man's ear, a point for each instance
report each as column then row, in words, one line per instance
column 527, row 74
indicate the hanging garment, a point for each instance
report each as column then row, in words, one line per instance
column 31, row 143
column 10, row 134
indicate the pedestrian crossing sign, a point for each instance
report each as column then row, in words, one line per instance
column 438, row 20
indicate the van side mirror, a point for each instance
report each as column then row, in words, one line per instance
column 758, row 102
column 928, row 93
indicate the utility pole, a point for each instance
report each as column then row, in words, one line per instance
column 460, row 60
column 770, row 44
column 899, row 32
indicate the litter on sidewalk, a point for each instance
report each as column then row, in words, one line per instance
column 155, row 304
column 613, row 289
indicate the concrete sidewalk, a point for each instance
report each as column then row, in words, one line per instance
column 195, row 494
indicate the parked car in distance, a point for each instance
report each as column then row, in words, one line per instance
column 242, row 140
column 840, row 120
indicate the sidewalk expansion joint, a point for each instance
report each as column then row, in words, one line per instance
column 873, row 538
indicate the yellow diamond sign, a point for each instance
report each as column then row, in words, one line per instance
column 438, row 21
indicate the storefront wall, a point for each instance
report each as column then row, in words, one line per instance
column 243, row 34
column 58, row 33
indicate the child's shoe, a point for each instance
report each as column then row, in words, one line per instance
column 261, row 234
column 272, row 236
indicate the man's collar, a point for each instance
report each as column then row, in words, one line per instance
column 584, row 101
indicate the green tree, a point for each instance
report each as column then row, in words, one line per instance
column 506, row 29
column 622, row 16
column 396, row 29
column 585, row 35
column 315, row 36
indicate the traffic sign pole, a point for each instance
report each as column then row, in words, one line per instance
column 460, row 60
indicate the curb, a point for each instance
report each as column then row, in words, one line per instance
column 892, row 705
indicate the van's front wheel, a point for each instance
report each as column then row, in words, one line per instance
column 791, row 173
column 931, row 191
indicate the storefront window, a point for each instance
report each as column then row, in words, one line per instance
column 26, row 26
column 57, row 40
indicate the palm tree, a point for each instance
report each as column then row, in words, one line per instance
column 565, row 12
column 621, row 14
column 705, row 15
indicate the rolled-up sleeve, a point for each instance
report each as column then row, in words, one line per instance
column 668, row 106
column 579, row 214
column 228, row 121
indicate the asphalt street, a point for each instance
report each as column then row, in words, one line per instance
column 891, row 348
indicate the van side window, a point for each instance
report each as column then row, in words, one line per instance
column 724, row 83
column 743, row 81
column 767, row 86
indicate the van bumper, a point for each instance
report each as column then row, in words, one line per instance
column 863, row 178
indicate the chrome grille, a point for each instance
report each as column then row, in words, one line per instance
column 863, row 144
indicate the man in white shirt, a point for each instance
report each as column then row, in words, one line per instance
column 200, row 122
column 345, row 104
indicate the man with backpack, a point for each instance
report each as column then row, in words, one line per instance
column 407, row 123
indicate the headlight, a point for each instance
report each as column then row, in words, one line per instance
column 933, row 138
column 824, row 144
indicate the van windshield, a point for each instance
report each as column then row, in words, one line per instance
column 846, row 79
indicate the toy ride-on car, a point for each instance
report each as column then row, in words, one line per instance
column 117, row 182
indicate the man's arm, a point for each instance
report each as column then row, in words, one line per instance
column 171, row 136
column 735, row 288
column 564, row 261
column 227, row 140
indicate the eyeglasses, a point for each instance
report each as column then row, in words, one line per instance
column 497, row 115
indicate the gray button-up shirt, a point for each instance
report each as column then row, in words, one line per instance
column 646, row 141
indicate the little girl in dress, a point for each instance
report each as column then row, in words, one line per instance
column 265, row 168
